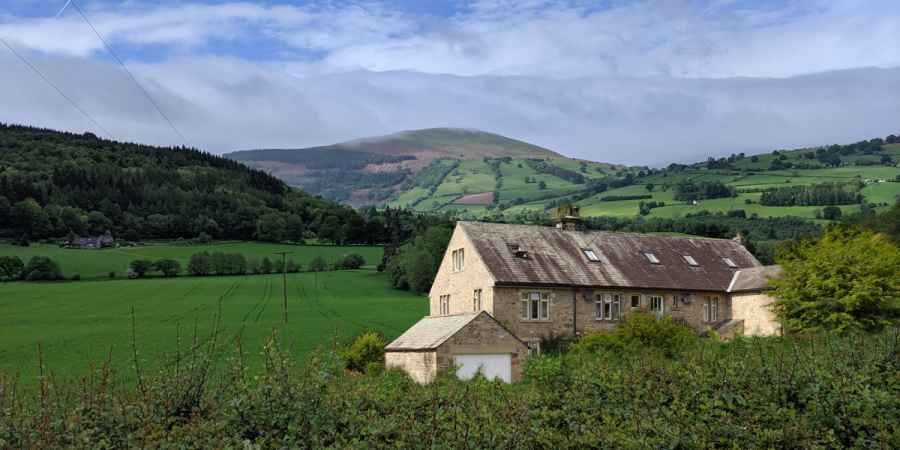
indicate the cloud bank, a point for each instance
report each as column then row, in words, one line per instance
column 634, row 82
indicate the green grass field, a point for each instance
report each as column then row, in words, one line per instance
column 79, row 323
column 93, row 264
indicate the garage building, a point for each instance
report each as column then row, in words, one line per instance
column 471, row 341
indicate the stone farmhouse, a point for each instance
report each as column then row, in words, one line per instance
column 502, row 289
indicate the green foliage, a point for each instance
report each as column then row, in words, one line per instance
column 168, row 267
column 140, row 267
column 10, row 267
column 639, row 332
column 366, row 349
column 688, row 190
column 317, row 264
column 416, row 263
column 42, row 268
column 847, row 280
column 821, row 392
column 815, row 195
column 352, row 261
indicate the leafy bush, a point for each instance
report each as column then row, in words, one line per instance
column 352, row 261
column 318, row 264
column 11, row 267
column 140, row 267
column 42, row 268
column 168, row 267
column 75, row 277
column 366, row 349
column 641, row 331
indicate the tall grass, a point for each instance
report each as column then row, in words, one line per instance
column 800, row 392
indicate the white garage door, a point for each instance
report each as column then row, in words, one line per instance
column 492, row 366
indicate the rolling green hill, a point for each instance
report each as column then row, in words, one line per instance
column 430, row 169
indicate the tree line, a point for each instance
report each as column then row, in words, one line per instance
column 814, row 195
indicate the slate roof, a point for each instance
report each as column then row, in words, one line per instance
column 555, row 257
column 430, row 332
column 753, row 279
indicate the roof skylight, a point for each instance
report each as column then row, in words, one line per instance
column 591, row 254
column 690, row 260
column 651, row 257
column 729, row 262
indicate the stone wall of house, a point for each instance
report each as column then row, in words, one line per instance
column 755, row 309
column 461, row 285
column 483, row 335
column 567, row 303
column 420, row 365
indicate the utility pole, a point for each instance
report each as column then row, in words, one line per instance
column 284, row 282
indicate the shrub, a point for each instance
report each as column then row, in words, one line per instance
column 318, row 264
column 292, row 266
column 42, row 268
column 112, row 274
column 641, row 331
column 75, row 277
column 140, row 267
column 168, row 267
column 352, row 261
column 200, row 264
column 11, row 267
column 266, row 265
column 366, row 349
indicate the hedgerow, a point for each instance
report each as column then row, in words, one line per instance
column 799, row 392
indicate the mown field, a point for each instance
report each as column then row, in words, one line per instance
column 80, row 323
column 94, row 264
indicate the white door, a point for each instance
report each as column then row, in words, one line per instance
column 492, row 366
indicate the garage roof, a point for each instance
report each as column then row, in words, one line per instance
column 432, row 331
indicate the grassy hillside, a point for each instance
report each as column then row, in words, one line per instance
column 410, row 168
column 80, row 323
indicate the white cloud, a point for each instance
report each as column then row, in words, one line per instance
column 224, row 104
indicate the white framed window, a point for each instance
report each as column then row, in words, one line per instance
column 444, row 305
column 534, row 305
column 608, row 306
column 651, row 257
column 657, row 304
column 476, row 300
column 534, row 347
column 635, row 300
column 591, row 254
column 711, row 309
column 459, row 260
column 690, row 260
column 729, row 262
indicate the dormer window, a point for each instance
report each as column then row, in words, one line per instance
column 591, row 254
column 651, row 257
column 730, row 263
column 690, row 260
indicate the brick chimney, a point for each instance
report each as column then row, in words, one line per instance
column 568, row 218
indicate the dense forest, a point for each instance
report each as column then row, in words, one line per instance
column 55, row 184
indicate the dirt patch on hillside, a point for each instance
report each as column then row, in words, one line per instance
column 484, row 198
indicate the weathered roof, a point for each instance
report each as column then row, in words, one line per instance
column 555, row 257
column 430, row 332
column 754, row 278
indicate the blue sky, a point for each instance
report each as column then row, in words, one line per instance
column 716, row 76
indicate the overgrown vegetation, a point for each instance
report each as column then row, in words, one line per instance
column 812, row 392
column 815, row 195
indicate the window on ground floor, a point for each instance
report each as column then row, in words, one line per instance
column 711, row 309
column 635, row 300
column 608, row 306
column 534, row 305
column 657, row 304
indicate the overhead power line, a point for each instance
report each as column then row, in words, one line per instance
column 130, row 75
column 55, row 87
